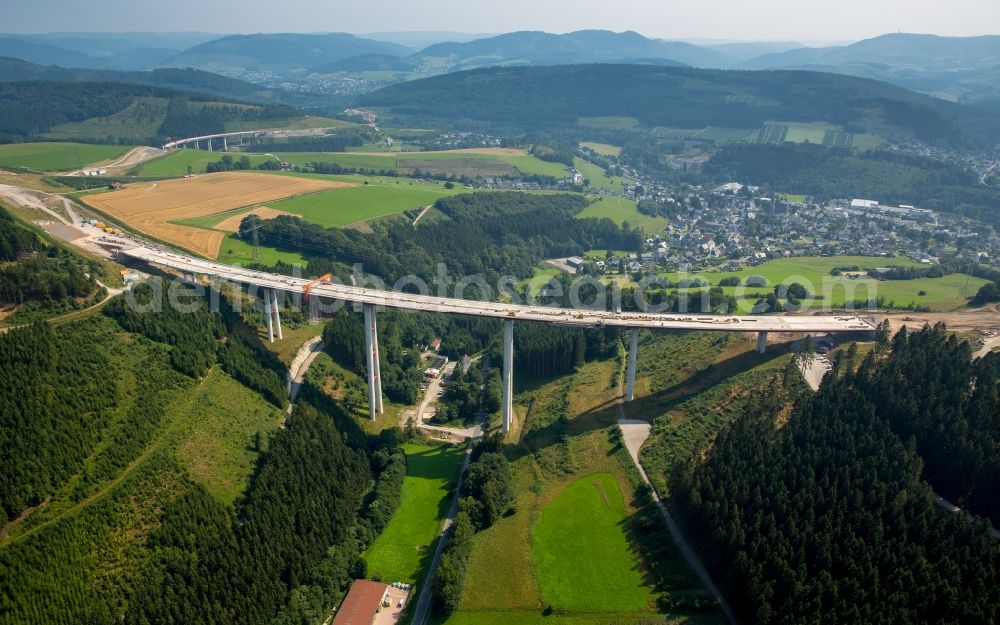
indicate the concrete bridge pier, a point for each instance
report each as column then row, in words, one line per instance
column 272, row 314
column 209, row 141
column 508, row 373
column 225, row 146
column 268, row 316
column 277, row 312
column 633, row 349
column 371, row 357
column 761, row 342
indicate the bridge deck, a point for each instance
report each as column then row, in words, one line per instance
column 561, row 316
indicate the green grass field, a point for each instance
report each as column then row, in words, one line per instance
column 349, row 205
column 177, row 162
column 597, row 177
column 581, row 553
column 601, row 148
column 402, row 550
column 56, row 156
column 620, row 210
column 524, row 163
column 541, row 277
column 566, row 437
column 236, row 251
column 814, row 273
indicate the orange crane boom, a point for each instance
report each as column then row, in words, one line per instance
column 318, row 280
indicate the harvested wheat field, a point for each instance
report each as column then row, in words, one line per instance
column 232, row 224
column 150, row 207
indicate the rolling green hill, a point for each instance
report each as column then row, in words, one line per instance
column 146, row 478
column 121, row 113
column 567, row 97
column 12, row 70
column 279, row 51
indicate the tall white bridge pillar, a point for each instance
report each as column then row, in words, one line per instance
column 372, row 364
column 633, row 349
column 225, row 146
column 508, row 373
column 277, row 312
column 272, row 314
column 761, row 342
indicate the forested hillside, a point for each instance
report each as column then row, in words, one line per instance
column 30, row 109
column 827, row 517
column 37, row 275
column 154, row 485
column 191, row 80
column 486, row 234
column 546, row 98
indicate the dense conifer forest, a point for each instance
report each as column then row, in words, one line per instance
column 285, row 552
column 827, row 517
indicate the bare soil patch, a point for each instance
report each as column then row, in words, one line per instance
column 150, row 207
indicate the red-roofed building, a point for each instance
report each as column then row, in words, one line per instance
column 362, row 603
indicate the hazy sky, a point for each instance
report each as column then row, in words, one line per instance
column 787, row 20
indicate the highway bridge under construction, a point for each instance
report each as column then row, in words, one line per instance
column 370, row 299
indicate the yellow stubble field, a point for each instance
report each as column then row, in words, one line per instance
column 150, row 207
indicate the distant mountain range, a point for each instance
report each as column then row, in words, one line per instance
column 585, row 46
column 953, row 68
column 279, row 52
column 682, row 102
column 122, row 51
column 956, row 69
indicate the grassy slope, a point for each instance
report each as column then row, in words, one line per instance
column 598, row 178
column 90, row 535
column 580, row 550
column 57, row 156
column 402, row 550
column 140, row 120
column 602, row 148
column 341, row 207
column 215, row 437
column 501, row 585
column 620, row 210
column 236, row 251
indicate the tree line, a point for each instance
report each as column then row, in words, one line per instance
column 487, row 493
